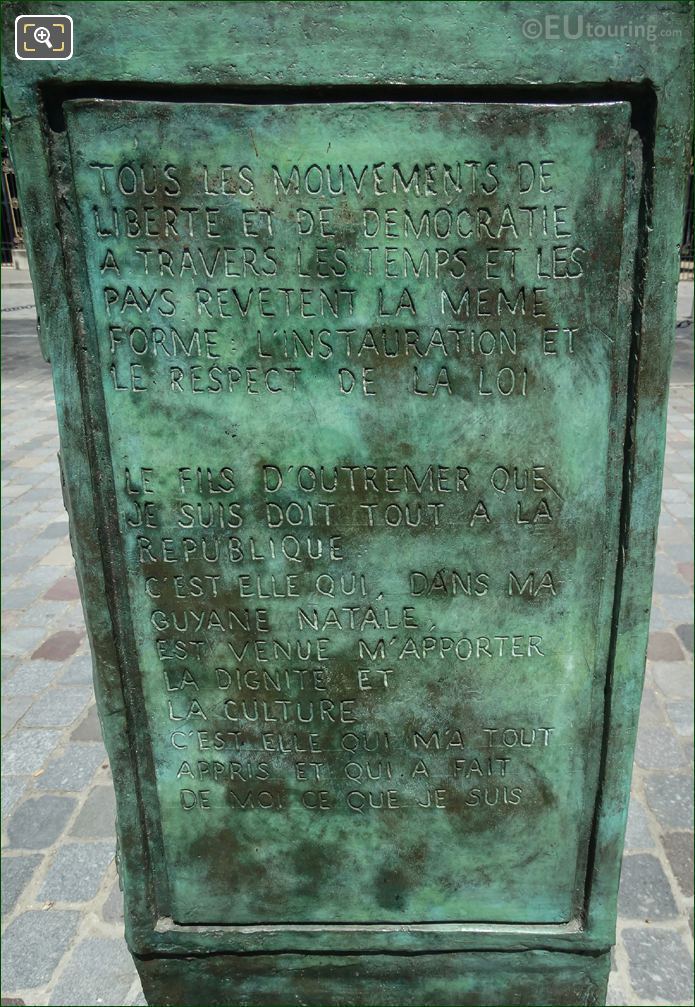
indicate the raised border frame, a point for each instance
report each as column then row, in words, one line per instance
column 318, row 51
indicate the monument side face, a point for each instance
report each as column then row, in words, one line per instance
column 361, row 389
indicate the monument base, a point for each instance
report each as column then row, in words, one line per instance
column 464, row 979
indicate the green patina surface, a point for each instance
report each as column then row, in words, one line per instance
column 485, row 459
column 361, row 398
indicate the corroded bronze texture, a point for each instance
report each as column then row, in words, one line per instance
column 361, row 366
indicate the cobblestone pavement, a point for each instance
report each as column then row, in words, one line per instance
column 61, row 907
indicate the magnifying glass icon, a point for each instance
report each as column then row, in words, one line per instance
column 43, row 35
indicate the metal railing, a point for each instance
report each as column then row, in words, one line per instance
column 11, row 220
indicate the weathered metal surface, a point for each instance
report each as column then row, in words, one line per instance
column 361, row 421
column 366, row 619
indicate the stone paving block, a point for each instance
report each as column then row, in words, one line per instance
column 51, row 510
column 60, row 555
column 14, row 509
column 16, row 874
column 64, row 589
column 670, row 797
column 675, row 679
column 14, row 567
column 26, row 580
column 36, row 547
column 17, row 599
column 89, row 729
column 21, row 640
column 99, row 971
column 38, row 822
column 57, row 529
column 30, row 677
column 679, row 850
column 34, row 475
column 43, row 613
column 16, row 490
column 685, row 631
column 660, row 965
column 76, row 871
column 638, row 835
column 112, row 910
column 59, row 646
column 686, row 568
column 674, row 534
column 644, row 889
column 46, row 493
column 33, row 945
column 664, row 647
column 688, row 753
column 13, row 710
column 13, row 788
column 74, row 769
column 681, row 715
column 58, row 707
column 97, row 816
column 79, row 671
column 678, row 610
column 8, row 666
column 657, row 748
column 662, row 562
column 32, row 525
column 74, row 619
column 657, row 620
column 650, row 708
column 26, row 749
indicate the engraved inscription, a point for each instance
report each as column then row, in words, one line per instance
column 360, row 370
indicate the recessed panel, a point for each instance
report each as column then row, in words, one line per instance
column 364, row 385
